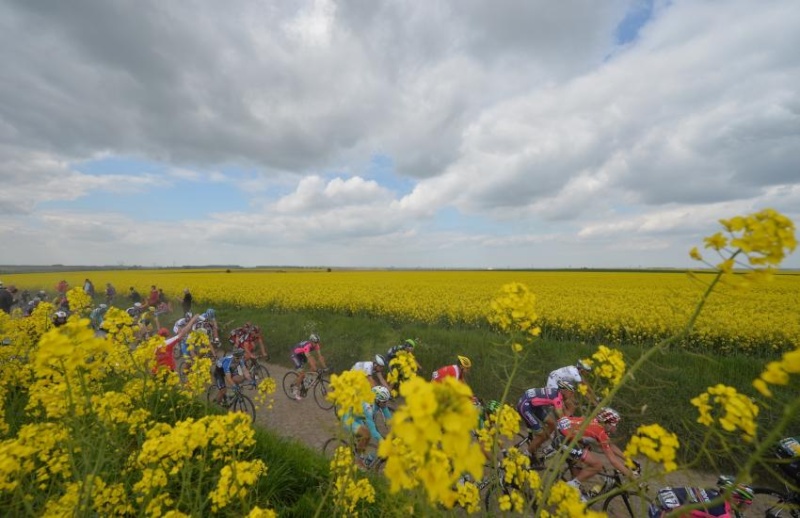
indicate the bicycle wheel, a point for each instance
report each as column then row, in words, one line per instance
column 259, row 373
column 321, row 389
column 626, row 504
column 289, row 380
column 770, row 502
column 243, row 404
column 330, row 446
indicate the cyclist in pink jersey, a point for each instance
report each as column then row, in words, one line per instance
column 539, row 408
column 302, row 353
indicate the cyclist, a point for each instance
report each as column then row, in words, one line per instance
column 539, row 408
column 182, row 322
column 171, row 351
column 458, row 371
column 738, row 497
column 230, row 370
column 246, row 337
column 302, row 354
column 409, row 344
column 374, row 370
column 572, row 375
column 59, row 318
column 134, row 311
column 363, row 427
column 208, row 321
column 596, row 433
column 97, row 315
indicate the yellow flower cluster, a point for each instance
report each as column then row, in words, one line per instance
column 120, row 327
column 777, row 373
column 739, row 412
column 349, row 489
column 564, row 501
column 608, row 367
column 265, row 395
column 234, row 481
column 79, row 302
column 469, row 497
column 115, row 408
column 101, row 499
column 349, row 390
column 434, row 445
column 402, row 368
column 514, row 310
column 519, row 481
column 504, row 422
column 655, row 443
column 764, row 237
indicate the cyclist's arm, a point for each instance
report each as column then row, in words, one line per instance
column 617, row 458
column 321, row 358
column 261, row 345
column 382, row 380
column 311, row 362
column 246, row 373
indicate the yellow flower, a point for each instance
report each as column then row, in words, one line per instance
column 735, row 412
column 656, row 443
column 514, row 310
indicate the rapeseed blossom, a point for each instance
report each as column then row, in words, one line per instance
column 738, row 411
column 777, row 372
column 608, row 366
column 349, row 489
column 349, row 391
column 234, row 482
column 655, row 443
column 402, row 368
column 514, row 310
column 430, row 443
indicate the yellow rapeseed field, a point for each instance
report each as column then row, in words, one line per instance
column 612, row 307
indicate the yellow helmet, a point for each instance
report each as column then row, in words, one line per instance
column 465, row 362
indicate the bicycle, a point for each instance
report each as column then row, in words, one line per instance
column 237, row 402
column 779, row 504
column 375, row 465
column 315, row 382
column 257, row 370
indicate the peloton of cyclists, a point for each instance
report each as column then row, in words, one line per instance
column 303, row 353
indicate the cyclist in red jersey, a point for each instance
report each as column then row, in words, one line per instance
column 247, row 337
column 458, row 371
column 595, row 434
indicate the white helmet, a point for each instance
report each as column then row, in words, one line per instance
column 380, row 360
column 382, row 394
column 314, row 338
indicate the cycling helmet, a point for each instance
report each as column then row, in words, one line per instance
column 382, row 394
column 608, row 415
column 210, row 314
column 583, row 365
column 742, row 494
column 60, row 317
column 380, row 360
column 137, row 305
column 103, row 306
column 42, row 294
column 565, row 385
column 314, row 338
column 164, row 332
column 188, row 315
column 409, row 343
column 238, row 352
column 465, row 362
column 201, row 318
column 493, row 406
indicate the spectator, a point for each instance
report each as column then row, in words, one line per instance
column 111, row 292
column 6, row 299
column 24, row 298
column 152, row 299
column 163, row 303
column 134, row 295
column 88, row 288
column 187, row 301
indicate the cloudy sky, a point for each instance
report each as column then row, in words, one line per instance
column 443, row 133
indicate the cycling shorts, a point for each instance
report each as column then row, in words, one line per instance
column 219, row 377
column 299, row 360
column 533, row 416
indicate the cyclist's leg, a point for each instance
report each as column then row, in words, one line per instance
column 591, row 463
column 219, row 379
column 526, row 410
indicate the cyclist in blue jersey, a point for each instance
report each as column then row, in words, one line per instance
column 230, row 370
column 363, row 427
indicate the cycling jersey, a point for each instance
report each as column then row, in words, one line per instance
column 352, row 422
column 367, row 368
column 671, row 498
column 305, row 347
column 569, row 374
column 392, row 353
column 450, row 371
column 536, row 405
column 179, row 324
column 593, row 434
column 789, row 451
